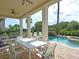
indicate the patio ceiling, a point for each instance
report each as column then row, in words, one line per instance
column 15, row 9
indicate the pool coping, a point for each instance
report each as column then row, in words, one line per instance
column 62, row 44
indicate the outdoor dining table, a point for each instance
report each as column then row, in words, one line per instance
column 30, row 44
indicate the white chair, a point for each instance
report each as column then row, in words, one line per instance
column 35, row 34
column 4, row 52
column 48, row 53
column 12, row 49
column 19, row 37
column 40, row 34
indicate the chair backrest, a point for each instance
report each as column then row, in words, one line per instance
column 4, row 52
column 19, row 37
column 9, row 44
column 0, row 37
column 11, row 48
column 50, row 49
column 40, row 33
column 4, row 49
column 35, row 34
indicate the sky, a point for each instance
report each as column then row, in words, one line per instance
column 69, row 10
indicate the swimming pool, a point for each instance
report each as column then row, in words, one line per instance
column 64, row 40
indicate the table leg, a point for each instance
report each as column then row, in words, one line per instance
column 30, row 54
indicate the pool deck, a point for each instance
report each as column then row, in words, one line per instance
column 65, row 52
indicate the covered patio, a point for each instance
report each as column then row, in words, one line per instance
column 19, row 9
column 24, row 9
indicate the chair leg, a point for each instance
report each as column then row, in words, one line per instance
column 13, row 56
column 50, row 57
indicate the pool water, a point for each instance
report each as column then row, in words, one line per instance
column 64, row 40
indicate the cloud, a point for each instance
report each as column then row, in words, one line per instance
column 69, row 10
column 36, row 17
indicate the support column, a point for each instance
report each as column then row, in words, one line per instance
column 29, row 26
column 21, row 28
column 45, row 23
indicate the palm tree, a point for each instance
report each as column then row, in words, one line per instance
column 58, row 9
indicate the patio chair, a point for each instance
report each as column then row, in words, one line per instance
column 1, row 42
column 40, row 34
column 14, row 49
column 4, row 53
column 19, row 37
column 47, row 53
column 35, row 34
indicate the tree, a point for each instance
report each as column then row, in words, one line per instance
column 73, row 25
column 13, row 29
column 63, row 28
column 63, row 25
column 16, row 27
column 58, row 9
column 66, row 28
column 38, row 26
column 33, row 30
column 10, row 28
